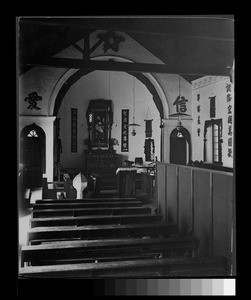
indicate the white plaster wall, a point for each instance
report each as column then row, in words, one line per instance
column 210, row 86
column 95, row 85
column 41, row 80
column 171, row 85
column 46, row 123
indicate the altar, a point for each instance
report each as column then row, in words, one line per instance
column 100, row 157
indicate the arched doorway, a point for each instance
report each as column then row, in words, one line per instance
column 32, row 155
column 180, row 146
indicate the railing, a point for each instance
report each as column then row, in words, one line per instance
column 201, row 202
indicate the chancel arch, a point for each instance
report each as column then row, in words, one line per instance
column 71, row 76
column 148, row 80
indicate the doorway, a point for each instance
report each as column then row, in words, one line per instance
column 180, row 146
column 32, row 155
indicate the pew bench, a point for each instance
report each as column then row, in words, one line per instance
column 43, row 213
column 85, row 200
column 105, row 250
column 163, row 266
column 101, row 231
column 84, row 204
column 94, row 220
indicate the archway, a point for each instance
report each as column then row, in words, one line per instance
column 180, row 146
column 72, row 75
column 32, row 155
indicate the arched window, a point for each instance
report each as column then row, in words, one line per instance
column 32, row 133
column 212, row 141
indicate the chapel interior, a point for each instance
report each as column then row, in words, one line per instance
column 126, row 146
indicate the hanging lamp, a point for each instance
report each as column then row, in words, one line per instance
column 133, row 124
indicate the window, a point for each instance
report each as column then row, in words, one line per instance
column 32, row 133
column 212, row 141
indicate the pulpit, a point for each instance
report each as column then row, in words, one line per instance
column 126, row 182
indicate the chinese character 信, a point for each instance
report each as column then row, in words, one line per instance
column 180, row 103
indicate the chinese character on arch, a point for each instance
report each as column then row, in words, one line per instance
column 180, row 103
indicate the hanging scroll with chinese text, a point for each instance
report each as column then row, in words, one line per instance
column 74, row 132
column 124, row 130
column 149, row 150
column 148, row 128
column 198, row 117
column 229, row 120
column 212, row 107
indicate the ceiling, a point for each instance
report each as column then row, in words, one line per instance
column 192, row 46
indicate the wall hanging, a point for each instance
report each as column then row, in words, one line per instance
column 74, row 132
column 124, row 130
column 149, row 150
column 148, row 121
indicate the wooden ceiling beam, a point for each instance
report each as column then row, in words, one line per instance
column 73, row 44
column 158, row 26
column 127, row 67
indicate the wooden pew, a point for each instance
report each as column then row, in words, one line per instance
column 101, row 231
column 94, row 220
column 85, row 200
column 43, row 213
column 86, row 205
column 163, row 267
column 104, row 250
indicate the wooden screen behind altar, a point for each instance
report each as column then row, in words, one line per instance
column 99, row 118
column 99, row 132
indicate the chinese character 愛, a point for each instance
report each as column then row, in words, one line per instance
column 32, row 100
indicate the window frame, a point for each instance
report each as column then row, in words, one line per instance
column 213, row 123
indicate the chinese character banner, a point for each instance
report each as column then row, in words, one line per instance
column 74, row 119
column 124, row 130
